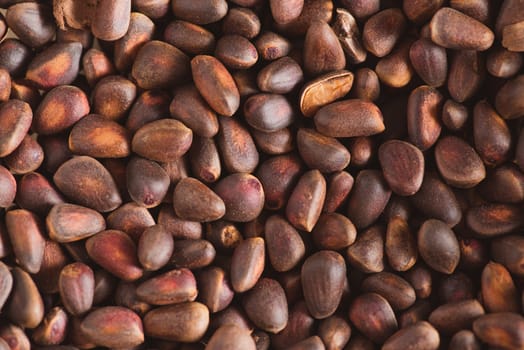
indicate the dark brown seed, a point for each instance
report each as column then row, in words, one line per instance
column 464, row 340
column 372, row 315
column 14, row 56
column 507, row 101
column 6, row 283
column 98, row 137
column 215, row 84
column 163, row 140
column 139, row 32
column 306, row 201
column 88, row 183
column 149, row 106
column 382, row 31
column 237, row 148
column 452, row 317
column 200, row 12
column 334, row 332
column 27, row 157
column 322, row 152
column 224, row 235
column 454, row 115
column 236, row 52
column 32, row 23
column 322, row 50
column 113, row 327
column 53, row 329
column 438, row 246
column 274, row 143
column 366, row 85
column 299, row 327
column 70, row 223
column 338, row 189
column 113, row 96
column 130, row 218
column 466, row 74
column 509, row 251
column 243, row 196
column 367, row 253
column 191, row 109
column 311, row 12
column 499, row 293
column 205, row 159
column 281, row 76
column 56, row 65
column 285, row 247
column 155, row 247
column 111, row 19
column 452, row 29
column 25, row 306
column 268, row 112
column 420, row 335
column 491, row 220
column 193, row 253
column 96, row 66
column 504, row 185
column 324, row 90
column 368, row 198
column 247, row 264
column 77, row 288
column 491, row 134
column 504, row 330
column 278, row 175
column 186, row 322
column 402, row 166
column 154, row 9
column 159, row 65
column 189, row 37
column 429, row 61
column 323, row 276
column 194, row 201
column 396, row 290
column 214, row 289
column 458, row 163
column 231, row 337
column 400, row 246
column 333, row 231
column 266, row 306
column 25, row 234
column 423, row 113
column 286, row 11
column 502, row 63
column 394, row 70
column 241, row 21
column 349, row 118
column 271, row 46
column 179, row 229
column 15, row 119
column 173, row 287
column 420, row 11
column 115, row 251
column 478, row 9
column 416, row 313
column 436, row 199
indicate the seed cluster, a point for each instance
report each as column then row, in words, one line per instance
column 261, row 174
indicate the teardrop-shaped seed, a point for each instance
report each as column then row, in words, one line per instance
column 268, row 112
column 491, row 134
column 237, row 148
column 509, row 251
column 401, row 246
column 382, row 31
column 231, row 337
column 423, row 112
column 438, row 246
column 321, row 152
column 285, row 247
column 322, row 50
column 349, row 118
column 397, row 291
column 306, row 201
column 323, row 276
column 373, row 316
column 31, row 22
column 99, row 137
column 421, row 335
column 402, row 165
column 215, row 84
column 367, row 253
column 458, row 163
column 173, row 287
column 504, row 330
column 15, row 119
column 25, row 234
column 195, row 201
column 281, row 76
column 489, row 220
column 508, row 102
column 77, row 287
column 87, row 182
column 147, row 182
column 453, row 29
column 452, row 317
column 25, row 306
column 243, row 196
column 247, row 264
column 266, row 306
column 57, row 65
column 115, row 251
column 333, row 231
column 429, row 61
column 499, row 293
column 69, row 223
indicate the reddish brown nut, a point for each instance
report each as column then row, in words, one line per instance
column 419, row 335
column 306, row 201
column 284, row 245
column 372, row 315
column 438, row 246
column 503, row 329
column 25, row 306
column 266, row 306
column 247, row 264
column 173, row 287
column 231, row 337
column 367, row 253
column 77, row 288
column 452, row 317
column 70, row 222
